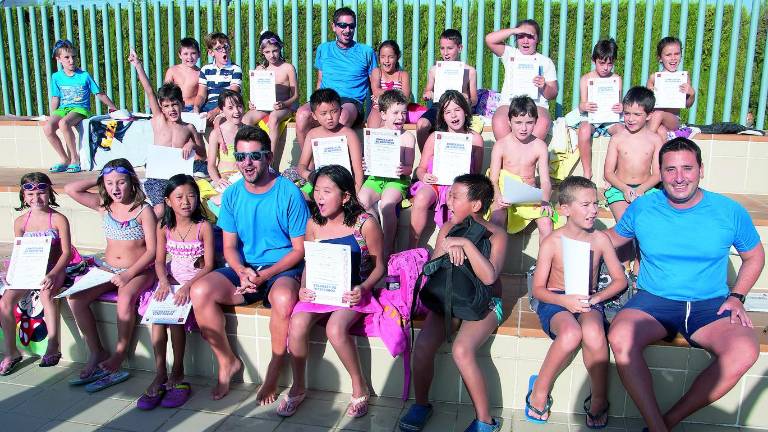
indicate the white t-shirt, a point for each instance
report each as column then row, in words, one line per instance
column 546, row 67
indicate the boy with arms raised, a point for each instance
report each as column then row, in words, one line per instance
column 216, row 77
column 572, row 320
column 518, row 156
column 167, row 128
column 603, row 56
column 450, row 50
column 186, row 74
column 632, row 159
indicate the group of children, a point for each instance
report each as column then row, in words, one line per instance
column 138, row 246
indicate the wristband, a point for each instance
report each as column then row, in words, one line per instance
column 737, row 296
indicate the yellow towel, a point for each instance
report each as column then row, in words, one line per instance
column 282, row 126
column 519, row 216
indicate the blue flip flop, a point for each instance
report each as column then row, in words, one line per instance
column 529, row 407
column 107, row 381
column 73, row 168
column 95, row 375
column 58, row 168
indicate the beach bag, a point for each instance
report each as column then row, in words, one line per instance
column 455, row 291
column 488, row 101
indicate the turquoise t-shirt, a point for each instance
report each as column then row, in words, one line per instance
column 684, row 253
column 75, row 90
column 264, row 223
column 346, row 70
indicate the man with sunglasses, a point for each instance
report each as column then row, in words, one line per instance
column 345, row 66
column 263, row 218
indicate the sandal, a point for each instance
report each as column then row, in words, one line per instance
column 595, row 418
column 95, row 374
column 358, row 406
column 73, row 168
column 58, row 168
column 290, row 404
column 50, row 360
column 478, row 426
column 416, row 418
column 149, row 402
column 177, row 395
column 7, row 366
column 107, row 381
column 530, row 408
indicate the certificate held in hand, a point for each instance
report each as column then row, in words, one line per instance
column 263, row 90
column 449, row 75
column 166, row 311
column 576, row 266
column 453, row 156
column 382, row 152
column 328, row 282
column 331, row 151
column 165, row 162
column 524, row 70
column 605, row 93
column 29, row 262
column 667, row 89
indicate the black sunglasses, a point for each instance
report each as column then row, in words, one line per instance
column 343, row 25
column 254, row 155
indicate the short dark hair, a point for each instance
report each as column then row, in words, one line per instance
column 189, row 42
column 452, row 35
column 459, row 99
column 522, row 105
column 605, row 49
column 392, row 44
column 479, row 188
column 572, row 184
column 36, row 177
column 533, row 23
column 230, row 94
column 169, row 217
column 324, row 95
column 253, row 133
column 680, row 144
column 344, row 180
column 391, row 97
column 642, row 96
column 669, row 40
column 213, row 38
column 343, row 11
column 171, row 92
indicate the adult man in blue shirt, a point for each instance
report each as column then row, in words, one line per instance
column 685, row 235
column 264, row 218
column 343, row 65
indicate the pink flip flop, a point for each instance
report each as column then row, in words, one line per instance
column 290, row 404
column 176, row 396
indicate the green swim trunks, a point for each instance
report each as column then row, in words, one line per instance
column 379, row 184
column 613, row 195
column 62, row 112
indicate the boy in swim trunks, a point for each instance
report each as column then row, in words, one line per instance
column 186, row 74
column 632, row 159
column 573, row 320
column 518, row 156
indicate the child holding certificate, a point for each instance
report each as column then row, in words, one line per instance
column 187, row 238
column 453, row 115
column 286, row 94
column 340, row 144
column 574, row 320
column 36, row 194
column 130, row 230
column 390, row 192
column 670, row 53
column 470, row 197
column 518, row 157
column 337, row 218
column 388, row 76
column 603, row 56
column 526, row 72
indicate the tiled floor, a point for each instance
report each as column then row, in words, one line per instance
column 35, row 399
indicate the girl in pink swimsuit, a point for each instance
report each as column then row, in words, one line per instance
column 388, row 76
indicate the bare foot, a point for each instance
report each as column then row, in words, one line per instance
column 93, row 362
column 597, row 416
column 175, row 378
column 226, row 372
column 113, row 363
column 154, row 387
column 268, row 393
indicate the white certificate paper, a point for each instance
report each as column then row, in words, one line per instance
column 29, row 262
column 453, row 156
column 331, row 151
column 576, row 266
column 329, row 282
column 449, row 75
column 263, row 90
column 524, row 70
column 605, row 93
column 381, row 148
column 516, row 192
column 165, row 162
column 667, row 89
column 195, row 119
column 166, row 311
column 94, row 277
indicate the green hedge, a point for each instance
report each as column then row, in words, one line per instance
column 469, row 45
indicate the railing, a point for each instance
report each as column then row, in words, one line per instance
column 727, row 90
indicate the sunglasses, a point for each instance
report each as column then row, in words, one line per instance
column 343, row 25
column 222, row 48
column 254, row 155
column 35, row 186
column 525, row 36
column 117, row 169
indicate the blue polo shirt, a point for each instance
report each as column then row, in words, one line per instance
column 346, row 70
column 684, row 252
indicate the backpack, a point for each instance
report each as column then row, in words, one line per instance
column 455, row 291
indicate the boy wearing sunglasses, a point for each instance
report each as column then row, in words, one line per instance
column 216, row 77
column 343, row 65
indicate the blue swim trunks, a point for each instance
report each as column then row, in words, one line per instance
column 263, row 291
column 548, row 310
column 677, row 316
